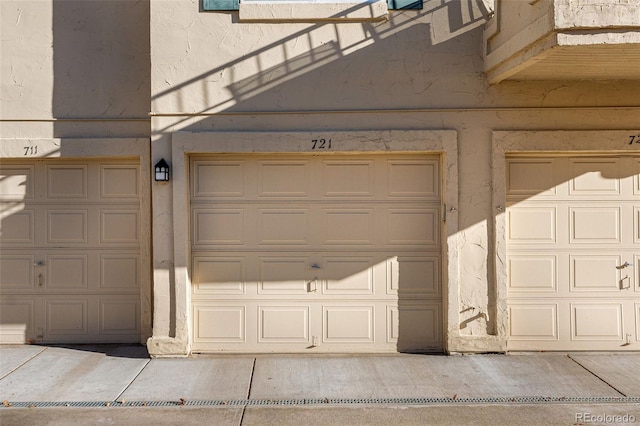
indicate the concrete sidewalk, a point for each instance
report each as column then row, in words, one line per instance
column 120, row 385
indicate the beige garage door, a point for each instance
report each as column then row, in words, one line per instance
column 316, row 253
column 574, row 253
column 70, row 252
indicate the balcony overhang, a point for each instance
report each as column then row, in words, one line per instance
column 563, row 40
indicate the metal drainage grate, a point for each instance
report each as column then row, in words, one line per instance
column 329, row 401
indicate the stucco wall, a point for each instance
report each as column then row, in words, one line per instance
column 418, row 70
column 74, row 68
column 596, row 14
column 519, row 23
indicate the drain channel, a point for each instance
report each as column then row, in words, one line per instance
column 330, row 401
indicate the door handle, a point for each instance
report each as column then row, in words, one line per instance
column 625, row 287
column 39, row 263
column 624, row 265
column 312, row 285
column 40, row 280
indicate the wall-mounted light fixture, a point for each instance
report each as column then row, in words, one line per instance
column 161, row 171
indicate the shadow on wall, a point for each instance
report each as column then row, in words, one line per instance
column 391, row 64
column 100, row 59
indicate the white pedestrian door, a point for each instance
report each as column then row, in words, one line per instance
column 298, row 253
column 69, row 251
column 573, row 252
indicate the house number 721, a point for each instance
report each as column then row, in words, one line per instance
column 320, row 143
column 634, row 139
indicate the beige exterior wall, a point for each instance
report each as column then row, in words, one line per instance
column 76, row 69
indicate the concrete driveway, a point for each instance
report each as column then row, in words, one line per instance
column 121, row 385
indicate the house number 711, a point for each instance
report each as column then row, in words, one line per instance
column 30, row 150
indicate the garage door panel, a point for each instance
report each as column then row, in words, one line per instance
column 595, row 225
column 532, row 177
column 67, row 271
column 284, row 179
column 218, row 179
column 414, row 327
column 119, row 271
column 17, row 226
column 67, row 181
column 413, row 227
column 348, row 178
column 67, row 317
column 119, row 182
column 533, row 273
column 17, row 317
column 533, row 321
column 285, row 275
column 348, row 276
column 283, row 227
column 219, row 275
column 119, row 315
column 218, row 227
column 412, row 179
column 348, row 226
column 348, row 324
column 16, row 271
column 284, row 324
column 596, row 321
column 532, row 225
column 120, row 227
column 67, row 226
column 414, row 275
column 219, row 323
column 595, row 177
column 17, row 182
column 595, row 273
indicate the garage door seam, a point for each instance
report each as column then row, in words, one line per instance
column 595, row 375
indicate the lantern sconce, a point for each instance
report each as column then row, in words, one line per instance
column 161, row 173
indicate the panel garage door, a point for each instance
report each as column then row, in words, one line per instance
column 70, row 252
column 316, row 253
column 573, row 253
